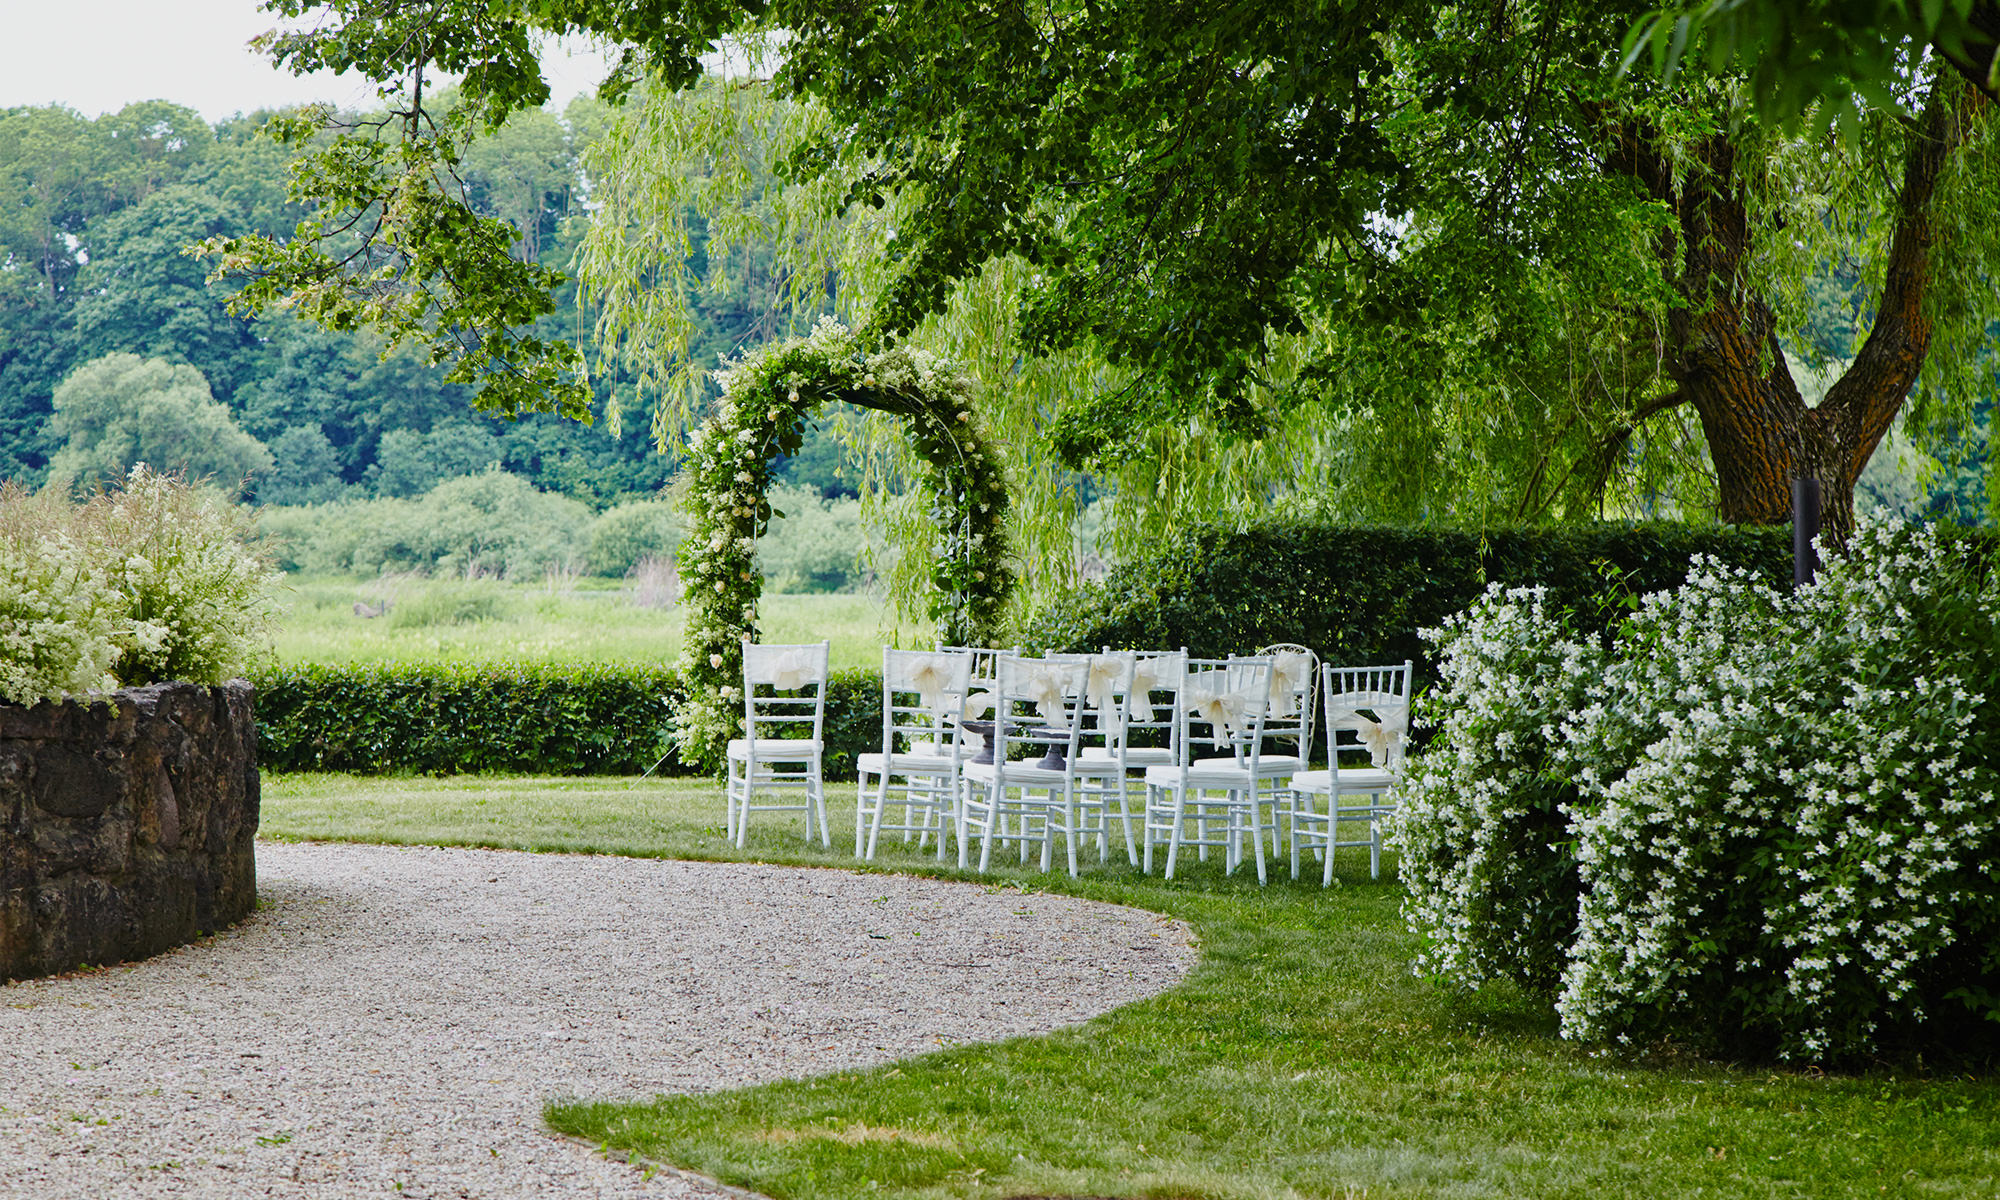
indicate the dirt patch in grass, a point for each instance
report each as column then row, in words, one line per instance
column 857, row 1134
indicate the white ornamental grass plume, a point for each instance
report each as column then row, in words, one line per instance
column 59, row 615
column 1482, row 831
column 197, row 601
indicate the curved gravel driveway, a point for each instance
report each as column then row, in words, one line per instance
column 398, row 1016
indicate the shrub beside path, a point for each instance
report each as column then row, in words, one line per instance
column 399, row 1016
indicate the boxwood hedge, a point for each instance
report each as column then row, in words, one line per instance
column 1359, row 596
column 542, row 719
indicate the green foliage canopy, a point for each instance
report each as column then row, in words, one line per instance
column 122, row 410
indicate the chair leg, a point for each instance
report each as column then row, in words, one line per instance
column 1071, row 833
column 1125, row 815
column 729, row 802
column 1291, row 814
column 1146, row 866
column 1375, row 841
column 1257, row 835
column 993, row 818
column 861, row 810
column 744, row 794
column 817, row 798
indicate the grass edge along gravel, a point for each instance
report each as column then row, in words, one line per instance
column 1299, row 1059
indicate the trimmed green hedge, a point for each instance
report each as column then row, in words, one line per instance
column 542, row 719
column 1359, row 596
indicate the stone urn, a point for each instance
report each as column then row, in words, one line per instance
column 127, row 824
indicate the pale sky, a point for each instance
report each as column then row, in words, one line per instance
column 97, row 56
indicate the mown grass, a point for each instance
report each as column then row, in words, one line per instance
column 1301, row 1058
column 446, row 620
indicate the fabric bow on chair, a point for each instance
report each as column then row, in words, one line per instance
column 1224, row 709
column 792, row 671
column 1290, row 672
column 1044, row 686
column 1107, row 672
column 1381, row 737
column 930, row 679
column 1145, row 678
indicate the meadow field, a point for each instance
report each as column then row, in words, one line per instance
column 583, row 620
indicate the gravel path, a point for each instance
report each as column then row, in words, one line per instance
column 399, row 1016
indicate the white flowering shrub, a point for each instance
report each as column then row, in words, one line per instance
column 59, row 617
column 1797, row 854
column 148, row 583
column 1483, row 827
column 1783, row 813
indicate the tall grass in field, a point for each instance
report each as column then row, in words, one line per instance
column 406, row 618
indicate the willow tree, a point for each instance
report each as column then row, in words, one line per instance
column 1373, row 235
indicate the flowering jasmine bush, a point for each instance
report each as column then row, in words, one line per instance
column 766, row 398
column 1783, row 817
column 148, row 583
column 1483, row 829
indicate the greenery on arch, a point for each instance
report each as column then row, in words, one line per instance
column 766, row 399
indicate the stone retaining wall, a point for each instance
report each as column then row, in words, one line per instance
column 126, row 827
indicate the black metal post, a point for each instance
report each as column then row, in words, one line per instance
column 1805, row 527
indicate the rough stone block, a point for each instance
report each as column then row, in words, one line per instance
column 127, row 826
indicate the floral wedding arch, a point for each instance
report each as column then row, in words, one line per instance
column 766, row 400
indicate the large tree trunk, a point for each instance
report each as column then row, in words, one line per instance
column 1722, row 346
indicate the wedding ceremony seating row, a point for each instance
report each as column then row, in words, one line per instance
column 1153, row 753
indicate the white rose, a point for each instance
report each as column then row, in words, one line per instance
column 715, row 660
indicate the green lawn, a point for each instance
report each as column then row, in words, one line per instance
column 1301, row 1059
column 592, row 621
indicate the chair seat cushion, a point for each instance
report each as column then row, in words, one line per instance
column 1213, row 772
column 1136, row 756
column 1352, row 779
column 776, row 749
column 1018, row 773
column 904, row 764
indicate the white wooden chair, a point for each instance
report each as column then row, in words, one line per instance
column 1288, row 726
column 1367, row 711
column 1294, row 684
column 1218, row 798
column 916, row 771
column 1025, row 795
column 784, row 691
column 1124, row 690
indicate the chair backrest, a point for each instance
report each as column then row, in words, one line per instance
column 1038, row 698
column 783, row 686
column 1367, row 708
column 922, row 694
column 1222, row 707
column 985, row 660
column 1151, row 689
column 1294, row 688
column 985, row 666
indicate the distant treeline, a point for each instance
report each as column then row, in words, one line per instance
column 94, row 216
